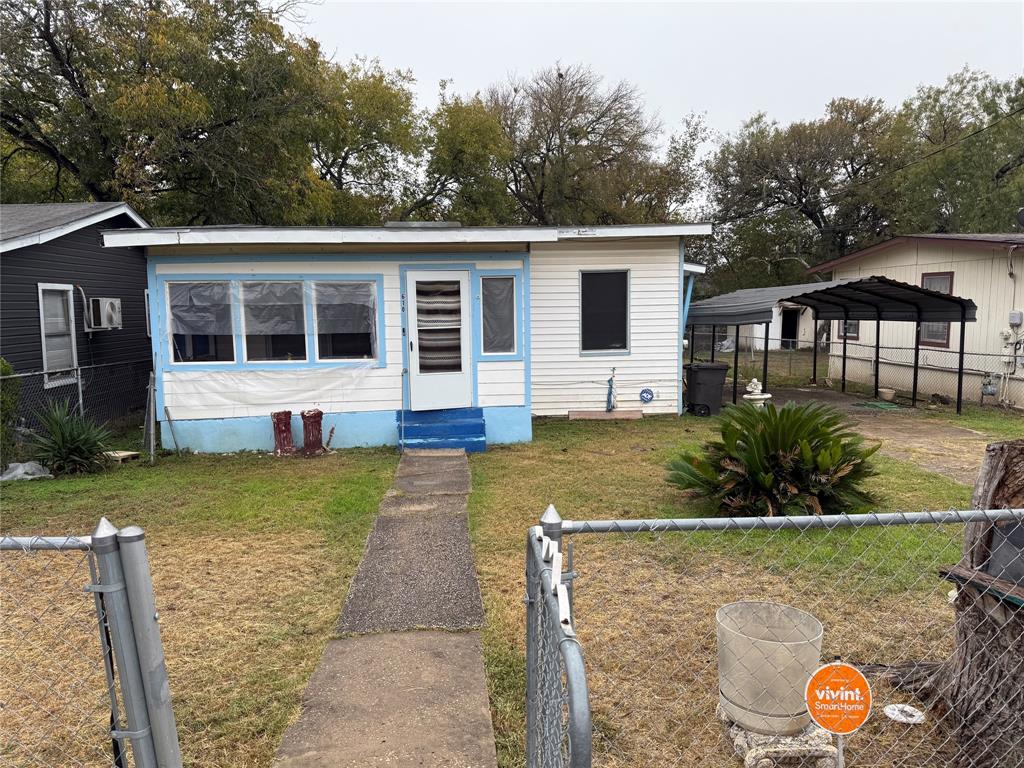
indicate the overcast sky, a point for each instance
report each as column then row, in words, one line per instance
column 727, row 60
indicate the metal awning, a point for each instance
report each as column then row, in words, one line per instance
column 869, row 298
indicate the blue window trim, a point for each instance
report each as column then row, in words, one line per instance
column 161, row 310
column 478, row 315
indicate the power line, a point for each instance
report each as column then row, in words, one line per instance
column 827, row 198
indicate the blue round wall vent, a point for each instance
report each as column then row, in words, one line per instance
column 646, row 395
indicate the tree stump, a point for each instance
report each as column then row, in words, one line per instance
column 982, row 683
column 283, row 443
column 312, row 432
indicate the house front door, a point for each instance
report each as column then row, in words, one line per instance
column 440, row 358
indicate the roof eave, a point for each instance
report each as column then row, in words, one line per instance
column 52, row 233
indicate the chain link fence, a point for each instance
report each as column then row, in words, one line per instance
column 113, row 393
column 988, row 377
column 928, row 605
column 82, row 677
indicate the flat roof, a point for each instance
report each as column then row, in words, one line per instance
column 869, row 298
column 27, row 224
column 392, row 235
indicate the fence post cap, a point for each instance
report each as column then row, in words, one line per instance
column 131, row 533
column 104, row 538
column 551, row 522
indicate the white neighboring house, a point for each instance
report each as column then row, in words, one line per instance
column 429, row 335
column 987, row 268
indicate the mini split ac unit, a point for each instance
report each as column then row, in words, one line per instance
column 104, row 314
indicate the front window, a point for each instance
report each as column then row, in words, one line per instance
column 201, row 329
column 498, row 309
column 936, row 334
column 604, row 311
column 274, row 318
column 346, row 320
column 57, row 325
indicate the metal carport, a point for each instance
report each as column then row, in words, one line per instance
column 869, row 298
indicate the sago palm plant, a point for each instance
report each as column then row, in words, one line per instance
column 794, row 460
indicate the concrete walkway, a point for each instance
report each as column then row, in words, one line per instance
column 389, row 694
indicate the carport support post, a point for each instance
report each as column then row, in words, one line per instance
column 735, row 365
column 960, row 362
column 693, row 337
column 713, row 329
column 764, row 365
column 878, row 340
column 917, row 358
column 814, row 346
column 846, row 329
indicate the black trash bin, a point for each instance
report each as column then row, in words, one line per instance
column 704, row 385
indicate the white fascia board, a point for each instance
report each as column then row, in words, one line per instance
column 329, row 236
column 635, row 230
column 214, row 236
column 53, row 233
column 697, row 269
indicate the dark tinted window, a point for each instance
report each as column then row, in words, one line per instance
column 604, row 309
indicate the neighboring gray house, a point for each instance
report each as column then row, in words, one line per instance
column 70, row 308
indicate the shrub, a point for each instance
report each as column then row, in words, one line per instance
column 795, row 460
column 10, row 392
column 69, row 443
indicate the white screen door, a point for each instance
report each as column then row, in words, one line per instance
column 440, row 359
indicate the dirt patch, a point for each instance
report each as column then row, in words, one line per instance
column 647, row 628
column 243, row 621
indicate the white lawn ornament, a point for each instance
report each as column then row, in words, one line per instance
column 755, row 396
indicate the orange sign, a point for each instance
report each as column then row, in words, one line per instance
column 838, row 698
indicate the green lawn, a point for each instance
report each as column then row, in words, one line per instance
column 596, row 470
column 251, row 556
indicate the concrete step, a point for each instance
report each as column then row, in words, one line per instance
column 453, row 428
column 444, row 414
column 470, row 444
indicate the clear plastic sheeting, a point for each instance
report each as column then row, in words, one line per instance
column 274, row 315
column 200, row 308
column 498, row 308
column 273, row 308
column 346, row 320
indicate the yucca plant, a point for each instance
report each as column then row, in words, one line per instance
column 69, row 443
column 794, row 460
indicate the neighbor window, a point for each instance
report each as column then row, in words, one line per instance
column 57, row 327
column 201, row 329
column 604, row 310
column 274, row 319
column 936, row 334
column 850, row 330
column 346, row 320
column 498, row 309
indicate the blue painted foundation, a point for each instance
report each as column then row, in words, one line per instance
column 351, row 430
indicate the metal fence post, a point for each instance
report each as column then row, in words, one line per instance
column 122, row 638
column 532, row 596
column 145, row 622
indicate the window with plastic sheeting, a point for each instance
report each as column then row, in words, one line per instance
column 346, row 320
column 604, row 311
column 498, row 308
column 274, row 318
column 201, row 327
column 57, row 325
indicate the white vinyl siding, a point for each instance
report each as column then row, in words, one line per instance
column 980, row 274
column 563, row 379
column 501, row 383
column 57, row 333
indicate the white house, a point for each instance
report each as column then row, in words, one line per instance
column 422, row 334
column 987, row 268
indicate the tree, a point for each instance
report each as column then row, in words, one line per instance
column 195, row 111
column 581, row 153
column 463, row 149
column 364, row 138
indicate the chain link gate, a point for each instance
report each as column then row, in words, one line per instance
column 84, row 681
column 892, row 591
